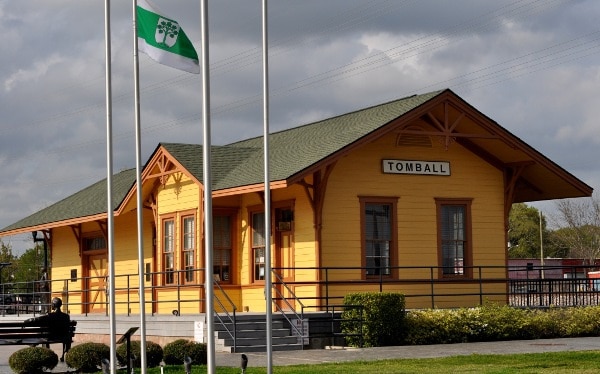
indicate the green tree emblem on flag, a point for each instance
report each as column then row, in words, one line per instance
column 167, row 32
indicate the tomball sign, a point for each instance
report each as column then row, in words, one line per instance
column 416, row 167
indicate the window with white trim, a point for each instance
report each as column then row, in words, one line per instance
column 454, row 237
column 189, row 247
column 258, row 245
column 168, row 249
column 222, row 247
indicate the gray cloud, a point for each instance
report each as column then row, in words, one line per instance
column 533, row 66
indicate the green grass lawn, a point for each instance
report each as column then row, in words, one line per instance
column 561, row 362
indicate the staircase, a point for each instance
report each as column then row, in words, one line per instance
column 251, row 335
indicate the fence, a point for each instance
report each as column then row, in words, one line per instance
column 523, row 286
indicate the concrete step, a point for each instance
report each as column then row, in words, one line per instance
column 263, row 348
column 245, row 342
column 259, row 346
column 249, row 325
column 222, row 334
column 251, row 335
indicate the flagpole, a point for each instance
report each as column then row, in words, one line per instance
column 109, row 211
column 268, row 270
column 138, row 177
column 206, row 172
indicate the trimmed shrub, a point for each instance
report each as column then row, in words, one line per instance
column 87, row 357
column 33, row 360
column 503, row 322
column 498, row 322
column 582, row 321
column 380, row 316
column 154, row 354
column 177, row 350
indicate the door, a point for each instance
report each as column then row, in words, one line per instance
column 96, row 284
column 284, row 259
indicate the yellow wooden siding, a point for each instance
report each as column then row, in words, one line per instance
column 254, row 299
column 360, row 174
column 179, row 193
column 357, row 174
column 303, row 236
column 234, row 293
column 66, row 256
column 179, row 198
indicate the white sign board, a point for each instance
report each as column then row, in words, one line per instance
column 199, row 332
column 300, row 327
column 416, row 167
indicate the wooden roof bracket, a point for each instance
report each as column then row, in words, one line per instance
column 316, row 192
column 261, row 196
column 103, row 224
column 309, row 190
column 512, row 174
column 446, row 128
column 164, row 165
column 76, row 229
column 151, row 204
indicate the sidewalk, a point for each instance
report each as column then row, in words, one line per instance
column 317, row 356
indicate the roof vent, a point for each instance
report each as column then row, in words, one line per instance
column 413, row 140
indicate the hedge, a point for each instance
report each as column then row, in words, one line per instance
column 373, row 319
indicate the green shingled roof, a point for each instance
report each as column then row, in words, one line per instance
column 87, row 202
column 241, row 163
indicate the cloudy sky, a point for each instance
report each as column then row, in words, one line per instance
column 531, row 65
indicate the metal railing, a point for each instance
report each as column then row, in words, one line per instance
column 519, row 286
column 223, row 316
column 289, row 309
column 522, row 286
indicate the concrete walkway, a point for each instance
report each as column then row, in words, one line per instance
column 317, row 356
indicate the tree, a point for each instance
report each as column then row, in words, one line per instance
column 6, row 261
column 6, row 254
column 29, row 266
column 580, row 227
column 524, row 232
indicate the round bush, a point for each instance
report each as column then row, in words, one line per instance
column 87, row 357
column 154, row 354
column 33, row 360
column 177, row 350
column 374, row 319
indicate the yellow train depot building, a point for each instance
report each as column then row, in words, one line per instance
column 403, row 196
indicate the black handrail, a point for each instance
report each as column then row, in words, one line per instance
column 520, row 286
column 292, row 309
column 231, row 317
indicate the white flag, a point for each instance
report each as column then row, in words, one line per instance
column 163, row 39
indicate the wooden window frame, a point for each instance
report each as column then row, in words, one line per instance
column 168, row 277
column 232, row 214
column 90, row 237
column 467, row 242
column 253, row 249
column 188, row 275
column 393, row 245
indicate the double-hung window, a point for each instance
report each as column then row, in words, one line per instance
column 168, row 248
column 222, row 247
column 379, row 235
column 189, row 247
column 258, row 245
column 454, row 237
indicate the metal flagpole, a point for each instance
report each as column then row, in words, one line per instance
column 140, row 210
column 268, row 277
column 208, row 227
column 109, row 211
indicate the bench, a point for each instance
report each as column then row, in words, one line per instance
column 21, row 333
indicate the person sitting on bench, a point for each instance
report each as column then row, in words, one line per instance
column 58, row 324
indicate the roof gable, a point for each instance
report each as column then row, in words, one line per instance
column 301, row 150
